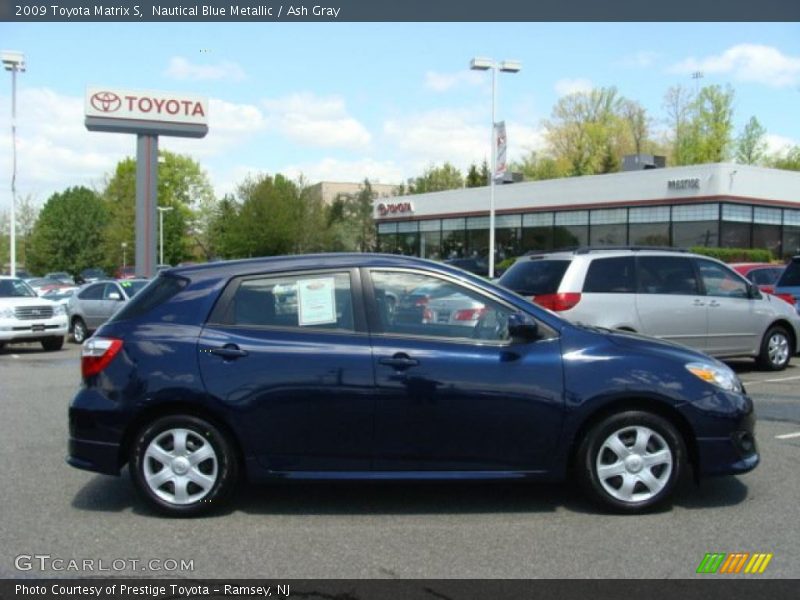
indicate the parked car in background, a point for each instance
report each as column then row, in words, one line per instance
column 61, row 277
column 125, row 273
column 40, row 285
column 93, row 304
column 686, row 298
column 764, row 275
column 789, row 282
column 25, row 318
column 476, row 265
column 92, row 275
column 60, row 295
column 200, row 381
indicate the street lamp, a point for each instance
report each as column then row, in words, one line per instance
column 161, row 211
column 13, row 61
column 124, row 254
column 505, row 66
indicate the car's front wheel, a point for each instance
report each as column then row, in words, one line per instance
column 79, row 331
column 776, row 350
column 183, row 465
column 53, row 343
column 631, row 461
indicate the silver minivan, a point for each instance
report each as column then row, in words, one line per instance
column 674, row 295
column 95, row 303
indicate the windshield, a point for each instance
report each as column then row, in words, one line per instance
column 133, row 286
column 15, row 288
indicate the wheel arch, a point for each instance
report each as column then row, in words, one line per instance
column 175, row 408
column 643, row 403
column 787, row 326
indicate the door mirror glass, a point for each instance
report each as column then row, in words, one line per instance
column 522, row 328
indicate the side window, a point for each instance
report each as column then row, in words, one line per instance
column 611, row 276
column 112, row 288
column 719, row 281
column 93, row 292
column 426, row 306
column 667, row 275
column 294, row 301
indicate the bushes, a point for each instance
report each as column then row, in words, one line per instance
column 730, row 255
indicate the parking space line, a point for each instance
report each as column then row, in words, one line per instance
column 788, row 436
column 772, row 380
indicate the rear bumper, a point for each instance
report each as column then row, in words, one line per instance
column 101, row 457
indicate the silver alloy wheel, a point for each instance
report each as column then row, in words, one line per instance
column 634, row 464
column 180, row 466
column 778, row 349
column 79, row 331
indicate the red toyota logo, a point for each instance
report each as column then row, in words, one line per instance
column 106, row 101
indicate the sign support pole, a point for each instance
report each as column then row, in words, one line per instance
column 146, row 197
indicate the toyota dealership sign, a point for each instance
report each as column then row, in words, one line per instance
column 132, row 111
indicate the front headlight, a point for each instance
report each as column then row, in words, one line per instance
column 59, row 310
column 720, row 376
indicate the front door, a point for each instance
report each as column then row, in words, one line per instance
column 453, row 393
column 291, row 354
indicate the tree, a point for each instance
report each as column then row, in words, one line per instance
column 586, row 130
column 474, row 177
column 351, row 222
column 437, row 179
column 535, row 166
column 183, row 186
column 677, row 103
column 638, row 124
column 789, row 160
column 68, row 234
column 751, row 146
column 711, row 127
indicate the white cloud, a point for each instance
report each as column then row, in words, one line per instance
column 312, row 120
column 640, row 60
column 181, row 69
column 564, row 87
column 442, row 82
column 752, row 63
column 778, row 144
column 333, row 169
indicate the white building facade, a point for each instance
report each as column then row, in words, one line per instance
column 725, row 205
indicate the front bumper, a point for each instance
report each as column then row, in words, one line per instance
column 732, row 454
column 18, row 330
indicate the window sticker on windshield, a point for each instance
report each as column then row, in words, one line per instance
column 316, row 301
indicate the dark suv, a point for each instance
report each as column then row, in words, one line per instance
column 205, row 377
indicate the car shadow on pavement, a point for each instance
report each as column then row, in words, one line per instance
column 117, row 494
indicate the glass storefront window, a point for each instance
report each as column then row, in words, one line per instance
column 791, row 240
column 608, row 235
column 769, row 237
column 649, row 234
column 735, row 235
column 700, row 233
column 648, row 214
column 567, row 236
column 695, row 212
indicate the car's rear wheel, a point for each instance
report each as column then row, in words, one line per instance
column 79, row 331
column 631, row 461
column 183, row 465
column 52, row 344
column 776, row 349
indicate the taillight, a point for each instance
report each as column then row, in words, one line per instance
column 422, row 301
column 786, row 298
column 97, row 353
column 558, row 302
column 469, row 314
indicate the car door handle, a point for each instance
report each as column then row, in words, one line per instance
column 699, row 303
column 714, row 303
column 399, row 361
column 229, row 352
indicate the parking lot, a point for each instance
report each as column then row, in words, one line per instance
column 390, row 530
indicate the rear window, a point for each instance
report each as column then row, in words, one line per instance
column 158, row 291
column 611, row 276
column 791, row 276
column 534, row 276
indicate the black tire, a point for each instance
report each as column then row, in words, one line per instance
column 53, row 343
column 226, row 471
column 79, row 331
column 610, row 492
column 771, row 358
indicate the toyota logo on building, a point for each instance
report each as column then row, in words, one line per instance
column 106, row 101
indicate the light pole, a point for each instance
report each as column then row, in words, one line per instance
column 13, row 61
column 124, row 254
column 505, row 66
column 161, row 211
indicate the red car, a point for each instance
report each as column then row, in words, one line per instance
column 125, row 273
column 764, row 275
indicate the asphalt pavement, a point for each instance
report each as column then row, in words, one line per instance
column 378, row 530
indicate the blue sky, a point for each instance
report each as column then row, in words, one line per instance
column 341, row 101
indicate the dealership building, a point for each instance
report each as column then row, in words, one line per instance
column 726, row 205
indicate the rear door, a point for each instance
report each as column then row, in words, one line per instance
column 90, row 305
column 670, row 301
column 290, row 353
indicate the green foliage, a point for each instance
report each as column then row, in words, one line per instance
column 751, row 146
column 735, row 254
column 702, row 125
column 505, row 264
column 535, row 167
column 437, row 179
column 474, row 177
column 68, row 236
column 351, row 226
column 789, row 160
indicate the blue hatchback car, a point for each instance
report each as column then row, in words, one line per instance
column 298, row 368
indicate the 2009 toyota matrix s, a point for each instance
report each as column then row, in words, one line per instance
column 336, row 367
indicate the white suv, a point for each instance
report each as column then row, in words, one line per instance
column 686, row 298
column 25, row 317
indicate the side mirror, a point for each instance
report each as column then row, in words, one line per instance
column 114, row 296
column 522, row 328
column 753, row 291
